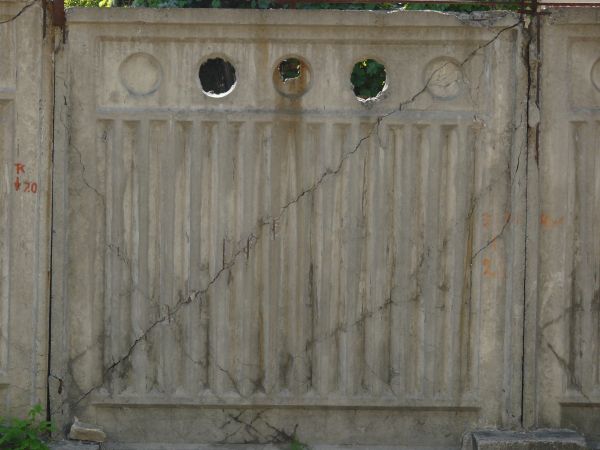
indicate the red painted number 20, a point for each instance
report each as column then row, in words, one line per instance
column 30, row 187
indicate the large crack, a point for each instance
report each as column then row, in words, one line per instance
column 273, row 435
column 492, row 239
column 569, row 372
column 268, row 223
column 533, row 43
column 83, row 178
column 21, row 11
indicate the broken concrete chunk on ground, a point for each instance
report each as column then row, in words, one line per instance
column 86, row 432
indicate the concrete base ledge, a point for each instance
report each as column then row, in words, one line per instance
column 116, row 446
column 76, row 445
column 530, row 440
column 481, row 440
column 73, row 445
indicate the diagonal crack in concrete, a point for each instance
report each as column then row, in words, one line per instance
column 254, row 237
column 21, row 11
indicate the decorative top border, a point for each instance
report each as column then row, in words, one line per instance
column 278, row 17
column 573, row 16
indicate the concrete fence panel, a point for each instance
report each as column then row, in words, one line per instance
column 283, row 258
column 566, row 257
column 25, row 143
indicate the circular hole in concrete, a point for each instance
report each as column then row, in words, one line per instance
column 368, row 79
column 217, row 77
column 290, row 69
column 291, row 77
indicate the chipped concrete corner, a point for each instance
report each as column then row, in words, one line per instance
column 284, row 263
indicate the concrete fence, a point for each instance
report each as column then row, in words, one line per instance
column 26, row 78
column 261, row 259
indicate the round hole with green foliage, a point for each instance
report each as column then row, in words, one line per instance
column 290, row 69
column 292, row 77
column 368, row 79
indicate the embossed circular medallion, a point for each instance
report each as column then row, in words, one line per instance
column 595, row 75
column 444, row 78
column 141, row 74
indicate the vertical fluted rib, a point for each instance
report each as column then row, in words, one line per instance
column 466, row 329
column 97, row 288
column 461, row 157
column 221, row 211
column 329, row 363
column 6, row 161
column 376, row 306
column 448, row 243
column 138, row 252
column 267, row 305
column 419, row 262
column 595, row 316
column 112, row 274
column 278, row 289
column 353, row 252
column 235, row 306
column 400, row 248
column 202, row 248
column 157, row 143
column 578, row 135
column 246, row 194
column 300, row 308
column 181, row 247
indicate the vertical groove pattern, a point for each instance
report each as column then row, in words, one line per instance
column 584, row 310
column 578, row 266
column 467, row 334
column 359, row 289
column 6, row 147
column 594, row 337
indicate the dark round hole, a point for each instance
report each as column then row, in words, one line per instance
column 290, row 69
column 368, row 79
column 217, row 77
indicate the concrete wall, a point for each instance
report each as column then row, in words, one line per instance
column 25, row 131
column 567, row 264
column 285, row 258
column 355, row 270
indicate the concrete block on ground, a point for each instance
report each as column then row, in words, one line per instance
column 86, row 432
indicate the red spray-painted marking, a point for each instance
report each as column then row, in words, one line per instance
column 28, row 186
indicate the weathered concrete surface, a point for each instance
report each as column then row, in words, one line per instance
column 241, row 268
column 531, row 440
column 25, row 131
column 286, row 260
column 563, row 357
